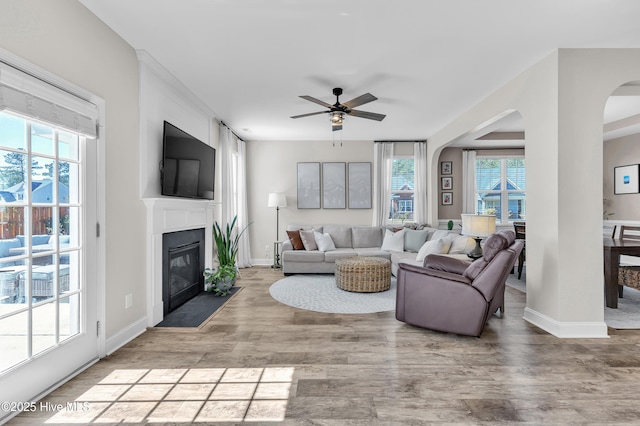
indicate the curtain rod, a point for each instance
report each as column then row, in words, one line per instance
column 402, row 141
column 232, row 131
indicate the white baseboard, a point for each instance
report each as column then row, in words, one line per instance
column 566, row 330
column 126, row 335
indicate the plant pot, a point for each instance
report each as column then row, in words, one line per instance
column 222, row 286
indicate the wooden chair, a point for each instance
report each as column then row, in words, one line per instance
column 521, row 234
column 628, row 275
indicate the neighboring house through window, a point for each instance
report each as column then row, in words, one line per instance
column 501, row 188
column 402, row 189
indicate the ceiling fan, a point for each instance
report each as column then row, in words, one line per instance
column 338, row 111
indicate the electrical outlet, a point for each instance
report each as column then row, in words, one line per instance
column 266, row 251
column 128, row 301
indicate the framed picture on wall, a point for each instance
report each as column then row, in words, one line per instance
column 625, row 179
column 446, row 168
column 359, row 185
column 447, row 198
column 334, row 190
column 308, row 185
column 446, row 183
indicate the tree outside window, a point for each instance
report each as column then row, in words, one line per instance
column 501, row 188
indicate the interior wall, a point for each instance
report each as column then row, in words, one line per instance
column 620, row 152
column 272, row 167
column 64, row 38
column 163, row 98
column 454, row 210
column 561, row 100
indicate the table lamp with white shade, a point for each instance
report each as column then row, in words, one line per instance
column 277, row 200
column 478, row 226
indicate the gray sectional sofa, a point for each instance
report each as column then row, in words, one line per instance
column 368, row 241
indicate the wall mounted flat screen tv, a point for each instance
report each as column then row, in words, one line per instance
column 188, row 165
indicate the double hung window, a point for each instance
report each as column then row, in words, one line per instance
column 501, row 188
column 402, row 189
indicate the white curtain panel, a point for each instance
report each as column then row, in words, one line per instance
column 234, row 203
column 420, row 199
column 468, row 182
column 244, row 249
column 382, row 164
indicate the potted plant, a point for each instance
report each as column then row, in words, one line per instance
column 223, row 278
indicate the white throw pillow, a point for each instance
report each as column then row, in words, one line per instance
column 438, row 234
column 393, row 241
column 461, row 244
column 308, row 240
column 440, row 246
column 323, row 241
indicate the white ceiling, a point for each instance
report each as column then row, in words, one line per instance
column 427, row 61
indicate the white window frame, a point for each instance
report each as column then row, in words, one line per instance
column 412, row 192
column 48, row 84
column 504, row 192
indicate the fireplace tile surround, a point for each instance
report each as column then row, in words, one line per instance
column 166, row 215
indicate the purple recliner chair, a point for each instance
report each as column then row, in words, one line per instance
column 457, row 296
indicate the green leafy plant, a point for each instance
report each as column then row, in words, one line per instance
column 222, row 279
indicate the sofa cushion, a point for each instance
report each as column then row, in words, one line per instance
column 393, row 241
column 372, row 252
column 414, row 239
column 7, row 245
column 331, row 256
column 303, row 256
column 366, row 236
column 509, row 234
column 324, row 241
column 308, row 240
column 440, row 233
column 493, row 244
column 461, row 244
column 296, row 242
column 341, row 235
column 440, row 246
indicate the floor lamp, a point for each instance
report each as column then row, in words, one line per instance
column 277, row 200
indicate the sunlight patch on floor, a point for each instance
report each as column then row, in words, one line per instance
column 183, row 395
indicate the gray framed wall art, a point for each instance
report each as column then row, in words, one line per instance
column 334, row 185
column 626, row 179
column 308, row 185
column 359, row 185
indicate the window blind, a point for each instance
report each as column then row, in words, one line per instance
column 33, row 98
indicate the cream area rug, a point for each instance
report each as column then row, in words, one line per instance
column 319, row 293
column 627, row 316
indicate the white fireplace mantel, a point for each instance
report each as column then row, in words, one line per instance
column 165, row 215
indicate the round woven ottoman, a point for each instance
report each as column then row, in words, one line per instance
column 363, row 274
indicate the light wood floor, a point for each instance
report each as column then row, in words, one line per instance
column 265, row 362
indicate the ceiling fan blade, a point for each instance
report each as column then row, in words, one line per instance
column 309, row 114
column 360, row 100
column 365, row 114
column 317, row 101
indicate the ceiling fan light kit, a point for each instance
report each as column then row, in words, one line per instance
column 338, row 111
